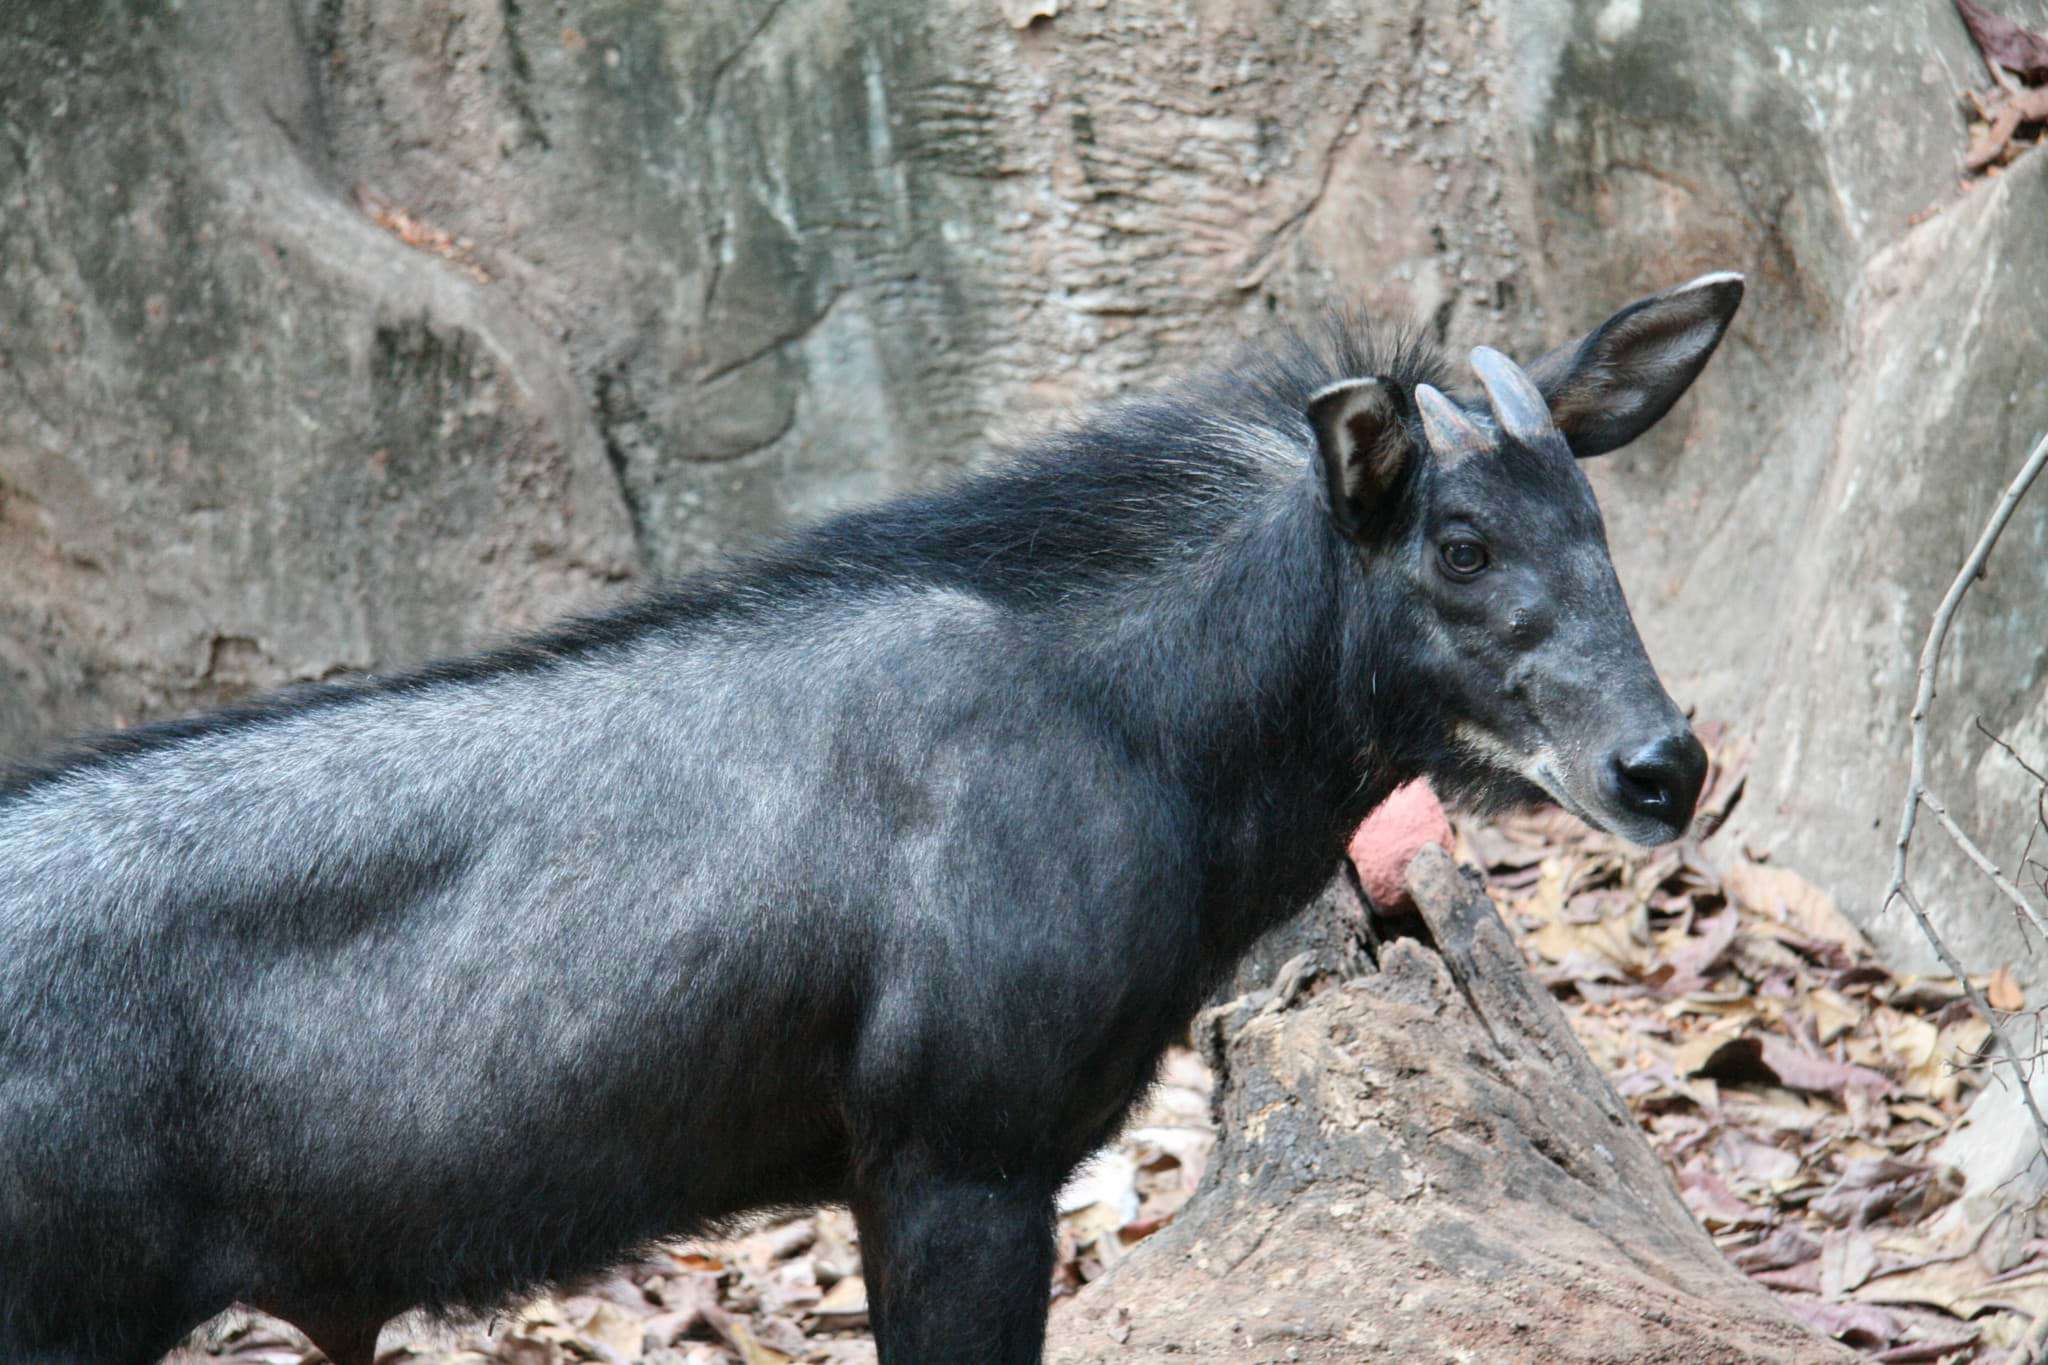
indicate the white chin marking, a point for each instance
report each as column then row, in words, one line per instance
column 1538, row 770
column 1485, row 746
column 1553, row 786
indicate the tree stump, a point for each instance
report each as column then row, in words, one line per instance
column 1420, row 1163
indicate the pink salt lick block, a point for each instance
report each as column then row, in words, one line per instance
column 1394, row 833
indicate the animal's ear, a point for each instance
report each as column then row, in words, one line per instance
column 1611, row 385
column 1362, row 444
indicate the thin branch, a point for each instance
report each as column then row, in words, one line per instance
column 2014, row 754
column 1984, row 864
column 1983, row 1009
column 1916, row 780
column 1930, row 653
column 2027, row 860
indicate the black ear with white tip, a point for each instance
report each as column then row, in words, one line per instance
column 1611, row 385
column 1363, row 446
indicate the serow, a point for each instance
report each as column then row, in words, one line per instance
column 879, row 866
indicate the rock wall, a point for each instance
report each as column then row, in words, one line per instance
column 1785, row 537
column 336, row 334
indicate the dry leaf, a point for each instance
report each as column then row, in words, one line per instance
column 1833, row 1014
column 1766, row 1060
column 1759, row 1161
column 1803, row 1278
column 1803, row 1071
column 1856, row 1324
column 1713, row 1203
column 2005, row 43
column 1926, row 994
column 844, row 1305
column 1949, row 1348
column 1786, row 1246
column 1696, row 955
column 1778, row 890
column 1914, row 1040
column 1913, row 1111
column 1960, row 1287
column 739, row 1333
column 2004, row 993
column 1846, row 1260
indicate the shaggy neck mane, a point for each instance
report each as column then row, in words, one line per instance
column 1136, row 488
column 1167, row 530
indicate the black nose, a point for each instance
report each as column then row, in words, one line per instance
column 1661, row 780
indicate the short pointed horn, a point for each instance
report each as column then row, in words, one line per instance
column 1452, row 434
column 1517, row 404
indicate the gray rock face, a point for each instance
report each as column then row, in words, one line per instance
column 337, row 334
column 1787, row 534
column 246, row 436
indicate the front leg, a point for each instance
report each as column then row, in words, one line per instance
column 958, row 1265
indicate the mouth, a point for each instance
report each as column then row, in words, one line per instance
column 1647, row 832
column 1539, row 771
column 1553, row 787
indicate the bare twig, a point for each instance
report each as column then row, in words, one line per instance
column 2027, row 861
column 2022, row 1073
column 1916, row 782
column 1984, row 864
column 2014, row 754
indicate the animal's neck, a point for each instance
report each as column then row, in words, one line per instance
column 1234, row 680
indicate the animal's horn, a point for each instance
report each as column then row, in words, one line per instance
column 1452, row 434
column 1516, row 403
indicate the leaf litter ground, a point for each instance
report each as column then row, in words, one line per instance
column 1796, row 1086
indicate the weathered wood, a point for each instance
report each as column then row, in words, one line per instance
column 1423, row 1164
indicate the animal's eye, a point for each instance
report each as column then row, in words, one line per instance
column 1463, row 558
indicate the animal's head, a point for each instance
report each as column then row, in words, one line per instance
column 1518, row 636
